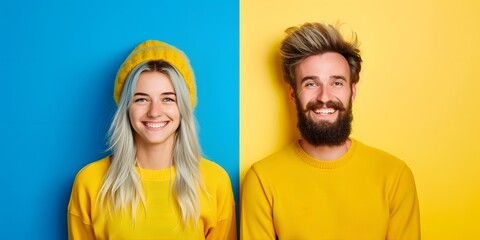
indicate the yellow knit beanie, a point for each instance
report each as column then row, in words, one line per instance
column 153, row 50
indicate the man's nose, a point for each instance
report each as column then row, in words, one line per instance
column 322, row 93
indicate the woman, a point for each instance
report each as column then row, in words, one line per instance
column 155, row 185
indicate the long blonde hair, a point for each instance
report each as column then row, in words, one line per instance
column 122, row 186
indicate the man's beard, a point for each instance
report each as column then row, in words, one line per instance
column 325, row 133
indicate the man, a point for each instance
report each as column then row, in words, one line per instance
column 327, row 185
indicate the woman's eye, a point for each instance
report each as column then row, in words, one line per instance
column 140, row 100
column 169, row 100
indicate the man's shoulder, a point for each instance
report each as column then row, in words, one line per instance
column 277, row 159
column 378, row 156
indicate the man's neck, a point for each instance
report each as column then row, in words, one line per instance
column 325, row 152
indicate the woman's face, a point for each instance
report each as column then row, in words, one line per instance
column 154, row 113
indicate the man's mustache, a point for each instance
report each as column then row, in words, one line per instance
column 330, row 104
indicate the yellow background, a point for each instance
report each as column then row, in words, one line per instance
column 418, row 96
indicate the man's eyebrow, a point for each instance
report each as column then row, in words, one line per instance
column 339, row 77
column 306, row 78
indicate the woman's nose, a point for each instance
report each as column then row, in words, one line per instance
column 155, row 110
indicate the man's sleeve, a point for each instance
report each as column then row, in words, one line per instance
column 404, row 210
column 256, row 210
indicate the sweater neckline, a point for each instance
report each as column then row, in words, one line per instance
column 323, row 164
column 156, row 175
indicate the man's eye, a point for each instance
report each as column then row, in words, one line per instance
column 310, row 84
column 337, row 84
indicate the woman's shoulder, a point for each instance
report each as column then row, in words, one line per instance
column 93, row 172
column 96, row 167
column 211, row 167
column 213, row 172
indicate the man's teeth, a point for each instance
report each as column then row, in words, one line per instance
column 156, row 125
column 324, row 111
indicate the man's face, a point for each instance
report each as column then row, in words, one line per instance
column 324, row 98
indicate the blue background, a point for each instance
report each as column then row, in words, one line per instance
column 57, row 66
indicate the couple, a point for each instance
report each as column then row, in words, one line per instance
column 155, row 185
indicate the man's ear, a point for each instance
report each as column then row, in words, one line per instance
column 292, row 93
column 354, row 91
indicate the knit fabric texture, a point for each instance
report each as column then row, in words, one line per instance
column 153, row 50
